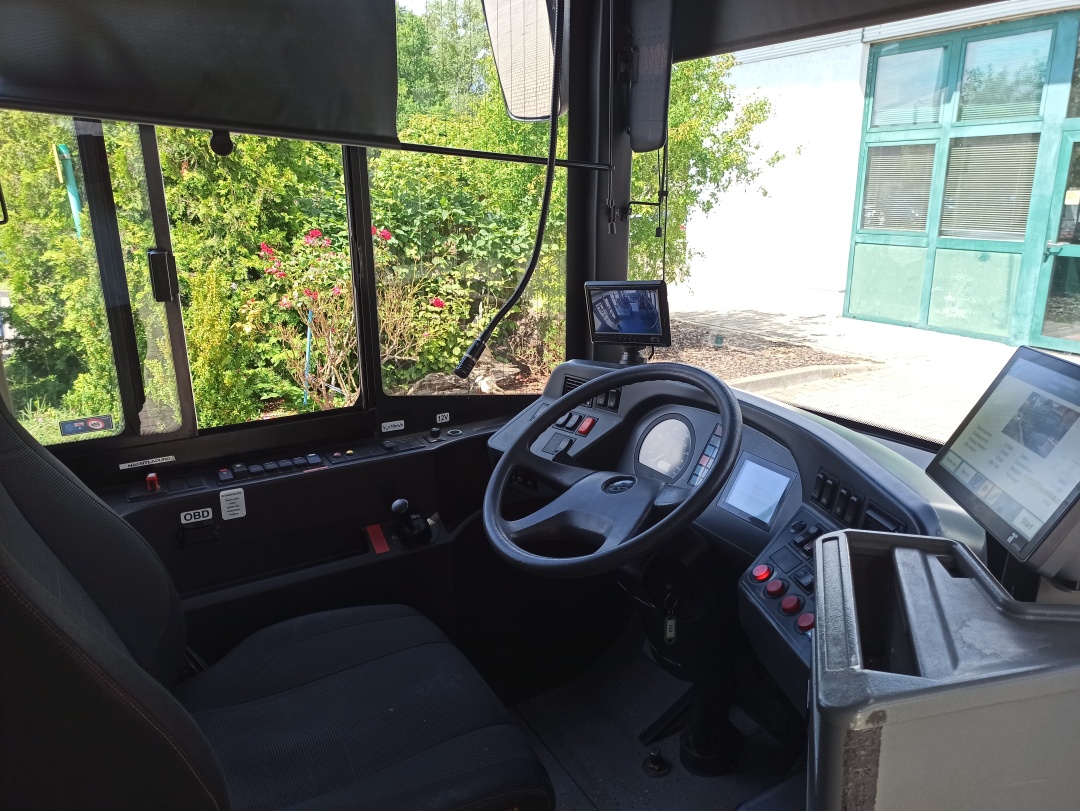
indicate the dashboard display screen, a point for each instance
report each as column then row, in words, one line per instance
column 756, row 489
column 1017, row 455
column 629, row 313
column 667, row 447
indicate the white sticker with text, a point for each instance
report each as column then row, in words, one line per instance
column 396, row 425
column 233, row 504
column 144, row 462
column 444, row 417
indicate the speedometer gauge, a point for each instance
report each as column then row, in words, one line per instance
column 667, row 447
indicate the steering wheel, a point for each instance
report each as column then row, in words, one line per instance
column 606, row 507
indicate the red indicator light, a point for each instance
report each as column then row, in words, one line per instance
column 761, row 573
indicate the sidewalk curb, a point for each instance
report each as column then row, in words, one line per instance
column 794, row 377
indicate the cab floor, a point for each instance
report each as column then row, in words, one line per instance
column 586, row 733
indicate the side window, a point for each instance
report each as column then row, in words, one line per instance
column 262, row 252
column 452, row 236
column 57, row 351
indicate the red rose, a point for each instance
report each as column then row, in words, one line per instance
column 374, row 230
column 438, row 303
column 385, row 234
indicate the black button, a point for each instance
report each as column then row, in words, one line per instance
column 613, row 399
column 285, row 464
column 240, row 470
column 574, row 421
column 300, row 461
column 805, row 578
column 841, row 501
column 564, row 419
column 314, row 459
column 798, row 526
column 852, row 510
column 225, row 475
column 270, row 467
column 256, row 470
column 819, row 485
column 557, row 444
column 601, row 400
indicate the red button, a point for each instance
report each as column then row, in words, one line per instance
column 774, row 588
column 791, row 604
column 761, row 573
column 586, row 425
column 705, row 460
column 805, row 622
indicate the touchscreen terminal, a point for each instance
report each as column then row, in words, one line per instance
column 628, row 313
column 1014, row 463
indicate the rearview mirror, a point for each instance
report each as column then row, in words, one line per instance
column 522, row 34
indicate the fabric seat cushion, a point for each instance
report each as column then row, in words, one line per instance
column 361, row 708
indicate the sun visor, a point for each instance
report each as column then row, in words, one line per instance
column 315, row 69
column 710, row 27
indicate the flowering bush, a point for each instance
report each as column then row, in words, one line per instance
column 309, row 288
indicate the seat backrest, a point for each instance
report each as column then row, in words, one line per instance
column 91, row 640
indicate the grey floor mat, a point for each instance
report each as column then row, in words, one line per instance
column 586, row 733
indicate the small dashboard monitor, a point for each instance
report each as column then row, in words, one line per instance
column 628, row 313
column 1014, row 462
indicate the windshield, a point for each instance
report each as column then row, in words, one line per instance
column 878, row 217
column 864, row 224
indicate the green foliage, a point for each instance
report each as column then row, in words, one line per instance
column 451, row 239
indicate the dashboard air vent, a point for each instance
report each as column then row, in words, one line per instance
column 571, row 383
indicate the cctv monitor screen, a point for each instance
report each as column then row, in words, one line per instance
column 1014, row 463
column 629, row 313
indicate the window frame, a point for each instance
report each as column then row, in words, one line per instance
column 1065, row 28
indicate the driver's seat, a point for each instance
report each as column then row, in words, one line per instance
column 352, row 709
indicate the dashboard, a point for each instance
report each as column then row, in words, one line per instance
column 797, row 477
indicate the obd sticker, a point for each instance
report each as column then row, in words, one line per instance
column 200, row 516
column 232, row 504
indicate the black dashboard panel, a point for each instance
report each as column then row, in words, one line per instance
column 838, row 479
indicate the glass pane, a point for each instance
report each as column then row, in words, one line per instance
column 1070, row 205
column 908, row 88
column 974, row 291
column 262, row 252
column 57, row 351
column 160, row 413
column 988, row 186
column 887, row 281
column 1073, row 109
column 448, row 90
column 1062, row 316
column 1004, row 78
column 452, row 236
column 897, row 190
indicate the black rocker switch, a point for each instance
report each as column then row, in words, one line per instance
column 412, row 528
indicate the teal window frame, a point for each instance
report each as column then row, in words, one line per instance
column 1050, row 125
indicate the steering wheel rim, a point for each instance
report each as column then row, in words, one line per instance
column 597, row 506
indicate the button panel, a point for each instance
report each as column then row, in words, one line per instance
column 708, row 456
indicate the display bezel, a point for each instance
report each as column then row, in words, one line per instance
column 629, row 338
column 1001, row 530
column 744, row 458
column 643, row 469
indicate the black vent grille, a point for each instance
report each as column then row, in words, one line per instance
column 571, row 383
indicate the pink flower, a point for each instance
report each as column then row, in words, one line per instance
column 265, row 249
column 314, row 233
column 311, row 294
column 284, row 303
column 326, row 242
column 682, row 227
column 336, row 291
column 279, row 274
column 385, row 234
column 438, row 303
column 269, row 270
column 374, row 230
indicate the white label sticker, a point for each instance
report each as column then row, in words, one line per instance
column 232, row 504
column 144, row 462
column 197, row 516
column 396, row 425
column 444, row 417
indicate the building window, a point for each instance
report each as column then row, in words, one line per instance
column 897, row 196
column 988, row 186
column 909, row 88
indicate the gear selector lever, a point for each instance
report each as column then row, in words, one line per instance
column 412, row 527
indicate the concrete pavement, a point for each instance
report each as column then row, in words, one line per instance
column 919, row 382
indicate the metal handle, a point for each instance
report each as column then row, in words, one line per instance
column 3, row 208
column 1052, row 249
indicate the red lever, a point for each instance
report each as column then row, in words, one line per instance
column 152, row 483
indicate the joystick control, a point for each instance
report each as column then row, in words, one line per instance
column 412, row 527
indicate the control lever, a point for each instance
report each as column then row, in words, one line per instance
column 412, row 527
